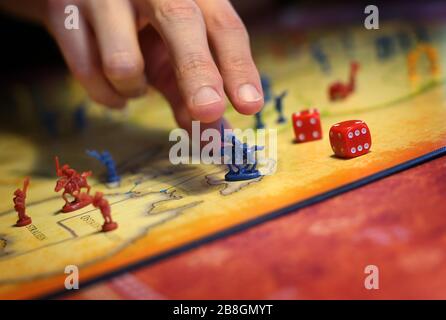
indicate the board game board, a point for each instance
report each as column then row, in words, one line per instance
column 162, row 209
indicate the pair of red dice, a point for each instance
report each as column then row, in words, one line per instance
column 348, row 139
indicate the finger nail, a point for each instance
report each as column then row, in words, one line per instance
column 249, row 93
column 205, row 96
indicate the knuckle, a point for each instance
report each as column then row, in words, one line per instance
column 237, row 63
column 226, row 21
column 177, row 10
column 195, row 64
column 123, row 66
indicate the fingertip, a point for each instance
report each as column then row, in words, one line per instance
column 207, row 105
column 208, row 113
column 249, row 108
column 248, row 99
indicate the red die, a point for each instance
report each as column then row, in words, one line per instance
column 307, row 125
column 350, row 139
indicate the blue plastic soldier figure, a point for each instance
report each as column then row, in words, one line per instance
column 80, row 118
column 242, row 158
column 106, row 159
column 259, row 121
column 404, row 41
column 279, row 106
column 385, row 47
column 320, row 57
column 348, row 44
column 422, row 34
column 267, row 89
column 49, row 120
column 268, row 95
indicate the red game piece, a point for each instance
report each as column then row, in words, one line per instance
column 20, row 205
column 350, row 139
column 307, row 125
column 339, row 90
column 100, row 202
column 72, row 183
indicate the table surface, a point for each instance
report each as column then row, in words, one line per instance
column 397, row 224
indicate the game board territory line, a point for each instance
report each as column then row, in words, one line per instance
column 113, row 203
column 145, row 178
column 71, row 231
column 264, row 218
column 8, row 256
column 30, row 205
column 189, row 177
column 74, row 236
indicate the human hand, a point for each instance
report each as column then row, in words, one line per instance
column 193, row 51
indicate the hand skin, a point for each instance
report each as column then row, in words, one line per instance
column 193, row 51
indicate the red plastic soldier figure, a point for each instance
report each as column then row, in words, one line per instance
column 72, row 183
column 20, row 206
column 339, row 90
column 102, row 204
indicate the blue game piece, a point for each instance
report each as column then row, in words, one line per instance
column 259, row 122
column 266, row 87
column 385, row 47
column 80, row 118
column 404, row 41
column 242, row 160
column 49, row 121
column 320, row 57
column 48, row 118
column 422, row 34
column 106, row 159
column 279, row 106
column 348, row 43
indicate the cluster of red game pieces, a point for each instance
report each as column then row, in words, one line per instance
column 72, row 184
column 348, row 139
